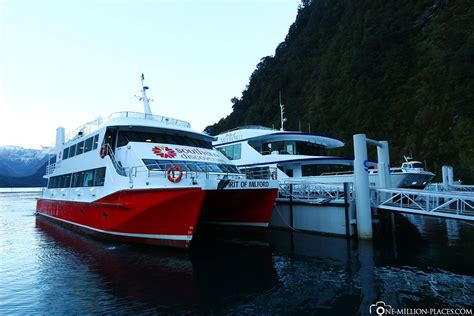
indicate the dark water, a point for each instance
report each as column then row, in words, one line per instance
column 47, row 269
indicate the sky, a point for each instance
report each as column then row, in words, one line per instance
column 64, row 63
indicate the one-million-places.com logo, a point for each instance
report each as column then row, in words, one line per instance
column 164, row 151
column 380, row 308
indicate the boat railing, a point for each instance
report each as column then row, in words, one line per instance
column 50, row 168
column 117, row 165
column 337, row 173
column 134, row 172
column 261, row 173
column 95, row 124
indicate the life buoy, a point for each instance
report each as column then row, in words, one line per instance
column 170, row 173
column 274, row 175
column 103, row 151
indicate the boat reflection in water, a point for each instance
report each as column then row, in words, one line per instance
column 278, row 272
column 138, row 277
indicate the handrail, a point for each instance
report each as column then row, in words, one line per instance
column 120, row 170
column 441, row 187
column 50, row 168
column 450, row 204
column 193, row 174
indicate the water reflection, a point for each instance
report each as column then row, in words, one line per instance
column 140, row 277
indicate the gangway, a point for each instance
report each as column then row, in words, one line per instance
column 449, row 204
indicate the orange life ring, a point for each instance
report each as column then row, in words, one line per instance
column 103, row 151
column 171, row 171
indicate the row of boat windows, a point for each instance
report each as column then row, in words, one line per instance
column 163, row 165
column 82, row 147
column 125, row 137
column 288, row 148
column 232, row 151
column 86, row 178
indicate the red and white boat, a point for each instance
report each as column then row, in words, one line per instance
column 150, row 179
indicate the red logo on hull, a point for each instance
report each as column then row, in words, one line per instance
column 164, row 152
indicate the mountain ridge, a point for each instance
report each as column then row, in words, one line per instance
column 22, row 167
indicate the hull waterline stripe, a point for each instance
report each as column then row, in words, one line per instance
column 170, row 237
column 237, row 223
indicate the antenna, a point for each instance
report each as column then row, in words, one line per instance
column 282, row 114
column 144, row 98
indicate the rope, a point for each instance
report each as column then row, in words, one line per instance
column 284, row 221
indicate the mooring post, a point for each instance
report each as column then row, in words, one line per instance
column 383, row 157
column 291, row 205
column 450, row 175
column 346, row 209
column 447, row 172
column 361, row 182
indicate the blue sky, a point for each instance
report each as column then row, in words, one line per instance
column 63, row 63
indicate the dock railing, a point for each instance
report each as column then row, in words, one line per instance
column 312, row 192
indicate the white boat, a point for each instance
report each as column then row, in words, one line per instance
column 147, row 178
column 302, row 157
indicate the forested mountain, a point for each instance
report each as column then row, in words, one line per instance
column 400, row 70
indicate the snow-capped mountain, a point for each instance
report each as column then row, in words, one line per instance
column 21, row 162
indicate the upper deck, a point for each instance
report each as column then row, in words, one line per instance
column 128, row 118
column 265, row 134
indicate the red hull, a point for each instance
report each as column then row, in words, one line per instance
column 239, row 207
column 163, row 217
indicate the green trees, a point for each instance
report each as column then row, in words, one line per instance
column 396, row 70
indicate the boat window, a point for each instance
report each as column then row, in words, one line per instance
column 232, row 151
column 65, row 181
column 99, row 177
column 162, row 138
column 288, row 148
column 96, row 141
column 305, row 148
column 88, row 144
column 77, row 179
column 86, row 178
column 72, row 151
column 79, row 148
column 184, row 166
column 201, row 166
column 52, row 183
column 163, row 165
column 318, row 169
column 65, row 153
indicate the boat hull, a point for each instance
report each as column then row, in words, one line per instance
column 239, row 207
column 162, row 217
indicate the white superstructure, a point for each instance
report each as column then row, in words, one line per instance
column 300, row 156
